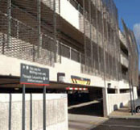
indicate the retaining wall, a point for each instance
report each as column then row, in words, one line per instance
column 56, row 112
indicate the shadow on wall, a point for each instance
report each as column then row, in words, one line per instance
column 121, row 105
column 116, row 106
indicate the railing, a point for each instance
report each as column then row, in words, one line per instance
column 24, row 46
column 24, row 41
column 125, row 55
column 124, row 60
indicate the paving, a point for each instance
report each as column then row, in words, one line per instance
column 84, row 122
column 124, row 112
column 119, row 124
column 121, row 119
column 84, row 116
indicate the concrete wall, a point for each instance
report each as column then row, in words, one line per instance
column 123, row 84
column 112, row 102
column 124, row 61
column 11, row 66
column 56, row 111
column 115, row 101
column 69, row 13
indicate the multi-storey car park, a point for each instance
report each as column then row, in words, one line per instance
column 79, row 41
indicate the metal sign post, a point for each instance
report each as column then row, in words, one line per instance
column 31, row 111
column 133, row 97
column 23, row 107
column 44, row 108
column 32, row 75
column 131, row 102
column 10, row 110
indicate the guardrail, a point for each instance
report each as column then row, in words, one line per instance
column 124, row 60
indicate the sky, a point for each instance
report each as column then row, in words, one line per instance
column 129, row 10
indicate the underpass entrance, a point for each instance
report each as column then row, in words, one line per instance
column 86, row 102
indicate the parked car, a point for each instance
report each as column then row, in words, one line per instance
column 135, row 105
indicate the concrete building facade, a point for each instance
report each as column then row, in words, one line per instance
column 79, row 41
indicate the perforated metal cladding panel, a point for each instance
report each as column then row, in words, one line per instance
column 75, row 55
column 28, row 30
column 33, row 32
column 3, row 25
column 111, row 7
column 64, row 51
column 133, row 55
column 3, row 32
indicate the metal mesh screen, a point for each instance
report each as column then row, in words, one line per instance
column 28, row 29
column 98, row 20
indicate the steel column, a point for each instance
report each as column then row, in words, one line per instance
column 85, row 52
column 3, row 43
column 9, row 23
column 10, row 110
column 39, row 27
column 23, row 107
column 97, row 36
column 31, row 111
column 44, row 108
column 91, row 46
column 55, row 30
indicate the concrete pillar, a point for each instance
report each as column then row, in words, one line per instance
column 105, row 102
column 117, row 91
